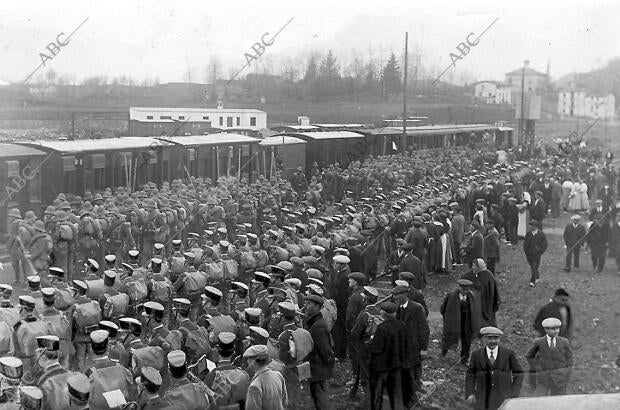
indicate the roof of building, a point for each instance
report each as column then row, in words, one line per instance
column 97, row 145
column 211, row 139
column 446, row 129
column 528, row 72
column 326, row 135
column 383, row 131
column 190, row 114
column 17, row 150
column 296, row 127
column 281, row 140
column 496, row 83
column 340, row 125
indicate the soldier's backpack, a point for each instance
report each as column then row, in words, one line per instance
column 152, row 356
column 64, row 299
column 87, row 315
column 294, row 250
column 219, row 324
column 371, row 223
column 231, row 268
column 302, row 344
column 247, row 261
column 105, row 380
column 261, row 257
column 306, row 245
column 329, row 312
column 195, row 281
column 197, row 343
column 67, row 230
column 374, row 320
column 89, row 226
column 177, row 265
column 115, row 305
column 6, row 338
column 324, row 242
column 27, row 333
column 137, row 290
column 215, row 271
column 173, row 341
column 95, row 288
column 58, row 325
column 10, row 315
column 161, row 290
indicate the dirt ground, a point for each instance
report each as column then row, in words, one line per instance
column 594, row 302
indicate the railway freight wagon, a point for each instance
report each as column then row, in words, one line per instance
column 74, row 167
column 215, row 155
column 289, row 151
column 20, row 179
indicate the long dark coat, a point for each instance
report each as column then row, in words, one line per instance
column 451, row 312
column 388, row 348
column 486, row 287
column 321, row 358
column 414, row 318
column 491, row 384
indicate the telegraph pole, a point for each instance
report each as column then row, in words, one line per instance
column 404, row 139
column 521, row 118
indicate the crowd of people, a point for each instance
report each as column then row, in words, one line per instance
column 230, row 295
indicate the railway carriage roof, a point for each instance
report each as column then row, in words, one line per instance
column 326, row 135
column 97, row 145
column 281, row 140
column 17, row 150
column 446, row 129
column 212, row 139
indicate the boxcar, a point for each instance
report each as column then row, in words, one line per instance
column 290, row 150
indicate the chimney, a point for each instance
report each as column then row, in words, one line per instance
column 220, row 104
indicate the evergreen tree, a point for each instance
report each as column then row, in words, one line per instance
column 391, row 77
column 329, row 68
column 311, row 69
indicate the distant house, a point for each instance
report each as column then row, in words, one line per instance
column 492, row 92
column 579, row 103
column 534, row 81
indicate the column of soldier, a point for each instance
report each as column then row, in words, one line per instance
column 202, row 294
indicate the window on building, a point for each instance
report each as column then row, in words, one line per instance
column 253, row 121
column 205, row 117
column 221, row 121
column 149, row 117
column 238, row 121
column 229, row 121
column 165, row 117
column 181, row 117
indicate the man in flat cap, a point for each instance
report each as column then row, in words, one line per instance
column 550, row 359
column 534, row 246
column 461, row 317
column 355, row 305
column 559, row 308
column 411, row 263
column 597, row 239
column 388, row 356
column 267, row 389
column 494, row 373
column 338, row 287
column 574, row 234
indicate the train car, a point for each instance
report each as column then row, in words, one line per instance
column 215, row 155
column 92, row 165
column 291, row 151
column 20, row 175
column 328, row 147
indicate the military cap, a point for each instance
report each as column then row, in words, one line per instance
column 213, row 293
column 261, row 277
column 176, row 242
column 80, row 284
column 27, row 301
column 341, row 251
column 277, row 271
column 11, row 367
column 400, row 282
column 406, row 276
column 79, row 387
column 110, row 327
column 99, row 336
column 293, row 281
column 181, row 303
column 513, row 199
column 188, row 255
column 286, row 265
column 252, row 237
column 129, row 323
column 259, row 352
column 318, row 248
column 315, row 289
column 50, row 343
column 110, row 274
column 55, row 271
column 150, row 375
column 158, row 246
column 156, row 261
column 397, row 290
column 389, row 307
column 490, row 331
column 359, row 277
column 560, row 292
column 239, row 286
column 259, row 331
column 316, row 299
column 287, row 309
column 6, row 288
column 110, row 258
column 371, row 291
column 176, row 359
column 341, row 259
column 226, row 341
column 551, row 322
column 33, row 280
column 93, row 263
column 316, row 281
column 133, row 253
column 252, row 315
column 30, row 397
column 151, row 307
column 49, row 294
column 295, row 260
column 464, row 282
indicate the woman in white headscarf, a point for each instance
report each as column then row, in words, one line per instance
column 567, row 187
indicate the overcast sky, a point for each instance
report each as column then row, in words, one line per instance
column 169, row 39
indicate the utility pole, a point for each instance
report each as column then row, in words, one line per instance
column 404, row 139
column 521, row 118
